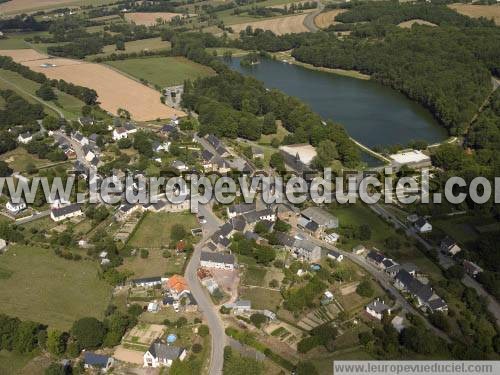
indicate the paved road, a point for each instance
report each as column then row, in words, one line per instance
column 309, row 20
column 204, row 302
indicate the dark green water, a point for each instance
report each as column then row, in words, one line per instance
column 371, row 113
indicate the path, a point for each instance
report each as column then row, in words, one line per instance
column 309, row 20
column 370, row 151
column 495, row 83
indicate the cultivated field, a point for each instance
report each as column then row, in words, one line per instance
column 38, row 285
column 279, row 26
column 476, row 11
column 162, row 71
column 410, row 23
column 150, row 19
column 114, row 89
column 151, row 44
column 26, row 6
column 325, row 19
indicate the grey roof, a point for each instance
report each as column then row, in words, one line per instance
column 168, row 128
column 420, row 222
column 334, row 253
column 378, row 306
column 318, row 215
column 436, row 304
column 178, row 164
column 93, row 137
column 251, row 235
column 213, row 140
column 376, row 256
column 96, row 360
column 147, row 280
column 312, row 226
column 162, row 351
column 238, row 223
column 388, row 263
column 447, row 242
column 305, row 245
column 129, row 126
column 242, row 208
column 221, row 150
column 413, row 286
column 207, row 155
column 284, row 239
column 65, row 210
column 159, row 205
column 217, row 257
column 253, row 216
column 226, row 229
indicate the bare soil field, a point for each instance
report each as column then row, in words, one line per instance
column 476, row 11
column 149, row 19
column 114, row 89
column 325, row 19
column 410, row 23
column 280, row 26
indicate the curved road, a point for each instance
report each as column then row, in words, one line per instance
column 205, row 304
column 309, row 20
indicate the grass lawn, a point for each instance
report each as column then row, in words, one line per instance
column 162, row 71
column 154, row 265
column 281, row 133
column 151, row 44
column 460, row 228
column 154, row 229
column 12, row 362
column 254, row 276
column 51, row 290
column 19, row 158
column 262, row 298
column 324, row 365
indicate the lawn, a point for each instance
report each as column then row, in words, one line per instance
column 154, row 229
column 262, row 298
column 254, row 276
column 12, row 362
column 154, row 265
column 151, row 44
column 51, row 290
column 460, row 228
column 162, row 71
column 19, row 158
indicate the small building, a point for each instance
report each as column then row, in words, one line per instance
column 78, row 137
column 323, row 218
column 120, row 133
column 377, row 309
column 376, row 258
column 306, row 250
column 179, row 165
column 25, row 138
column 449, row 247
column 472, row 268
column 65, row 212
column 217, row 260
column 265, row 214
column 153, row 307
column 359, row 250
column 257, row 152
column 335, row 255
column 331, row 238
column 148, row 282
column 97, row 361
column 15, row 208
column 88, row 153
column 240, row 306
column 422, row 225
column 160, row 354
column 3, row 245
column 414, row 159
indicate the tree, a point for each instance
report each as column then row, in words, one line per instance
column 326, row 153
column 258, row 319
column 196, row 348
column 25, row 339
column 365, row 288
column 306, row 368
column 120, row 45
column 124, row 143
column 364, row 232
column 46, row 92
column 203, row 330
column 282, row 226
column 55, row 342
column 55, row 369
column 89, row 332
column 277, row 162
column 144, row 253
column 261, row 228
column 5, row 170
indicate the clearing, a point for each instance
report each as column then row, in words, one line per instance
column 280, row 26
column 325, row 19
column 410, row 23
column 114, row 89
column 18, row 159
column 476, row 11
column 154, row 228
column 151, row 19
column 162, row 71
column 45, row 288
column 262, row 298
column 151, row 44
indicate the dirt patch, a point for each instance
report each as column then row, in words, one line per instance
column 128, row 355
column 325, row 19
column 150, row 19
column 410, row 23
column 476, row 11
column 114, row 89
column 279, row 26
column 144, row 334
column 349, row 289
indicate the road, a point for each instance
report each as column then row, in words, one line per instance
column 309, row 20
column 205, row 304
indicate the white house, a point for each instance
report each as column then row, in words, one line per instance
column 65, row 212
column 24, row 138
column 179, row 165
column 306, row 250
column 377, row 309
column 89, row 154
column 15, row 208
column 161, row 354
column 217, row 260
column 423, row 226
column 119, row 133
column 148, row 282
column 335, row 255
column 240, row 306
column 449, row 247
column 77, row 136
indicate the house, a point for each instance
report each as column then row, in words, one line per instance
column 327, row 298
column 88, row 153
column 222, row 151
column 119, row 133
column 86, row 120
column 472, row 268
column 65, row 212
column 25, row 138
column 335, row 255
column 306, row 250
column 257, row 152
column 323, row 218
column 168, row 129
column 284, row 240
column 179, row 165
column 3, row 245
column 15, row 208
column 161, row 354
column 423, row 293
column 147, row 282
column 422, row 225
column 220, row 165
column 78, row 137
column 239, row 209
column 310, row 226
column 97, row 361
column 153, row 307
column 265, row 214
column 359, row 249
column 130, row 128
column 449, row 247
column 240, row 306
column 331, row 238
column 376, row 258
column 214, row 141
column 217, row 260
column 239, row 223
column 158, row 147
column 177, row 286
column 377, row 309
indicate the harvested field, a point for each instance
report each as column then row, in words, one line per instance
column 114, row 89
column 25, row 5
column 279, row 26
column 476, row 11
column 410, row 23
column 325, row 19
column 150, row 19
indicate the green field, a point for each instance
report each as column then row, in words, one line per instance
column 154, row 229
column 54, row 5
column 51, row 290
column 12, row 362
column 19, row 158
column 262, row 298
column 162, row 71
column 154, row 265
column 152, row 44
column 254, row 276
column 67, row 104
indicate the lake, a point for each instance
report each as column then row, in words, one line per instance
column 373, row 114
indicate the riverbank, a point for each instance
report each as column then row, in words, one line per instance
column 289, row 59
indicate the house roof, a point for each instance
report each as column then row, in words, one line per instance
column 147, row 280
column 334, row 253
column 162, row 351
column 217, row 257
column 284, row 239
column 415, row 287
column 238, row 223
column 97, row 360
column 318, row 215
column 378, row 306
column 221, row 150
column 120, row 130
column 206, row 155
column 251, row 235
column 436, row 303
column 226, row 229
column 168, row 128
column 177, row 283
column 312, row 226
column 305, row 245
column 213, row 140
column 66, row 210
column 375, row 256
column 253, row 216
column 388, row 263
column 448, row 242
column 242, row 208
column 420, row 222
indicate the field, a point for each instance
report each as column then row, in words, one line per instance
column 12, row 362
column 48, row 289
column 114, row 89
column 17, row 6
column 280, row 26
column 262, row 298
column 150, row 19
column 325, row 19
column 154, row 229
column 18, row 159
column 410, row 23
column 162, row 71
column 476, row 11
column 154, row 265
column 151, row 44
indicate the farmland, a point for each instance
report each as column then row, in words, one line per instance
column 162, row 71
column 43, row 287
column 18, row 6
column 151, row 44
column 476, row 11
column 325, row 19
column 150, row 19
column 280, row 26
column 114, row 89
column 155, row 264
column 18, row 159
